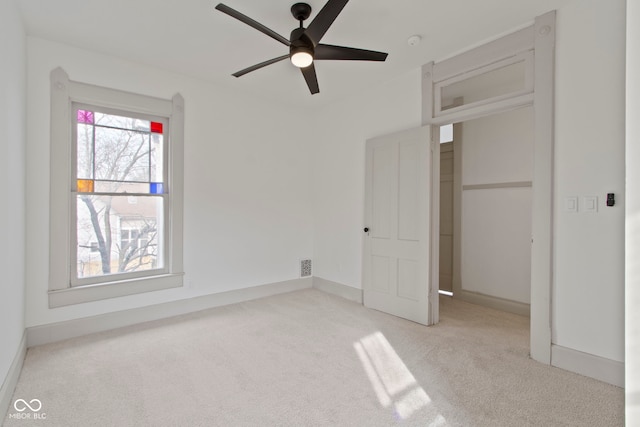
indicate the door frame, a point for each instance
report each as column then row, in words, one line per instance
column 539, row 38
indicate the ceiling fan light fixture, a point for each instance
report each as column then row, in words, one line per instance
column 304, row 43
column 301, row 57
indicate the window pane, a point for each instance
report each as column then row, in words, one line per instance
column 501, row 81
column 85, row 116
column 121, row 122
column 446, row 133
column 121, row 187
column 116, row 234
column 121, row 155
column 84, row 150
column 85, row 185
column 156, row 188
column 156, row 127
column 157, row 153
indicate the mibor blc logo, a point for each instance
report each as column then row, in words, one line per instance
column 28, row 410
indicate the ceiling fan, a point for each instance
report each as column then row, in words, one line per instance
column 304, row 43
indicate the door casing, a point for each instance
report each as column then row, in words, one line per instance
column 540, row 39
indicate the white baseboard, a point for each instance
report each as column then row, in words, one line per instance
column 338, row 289
column 53, row 332
column 501, row 304
column 600, row 368
column 9, row 384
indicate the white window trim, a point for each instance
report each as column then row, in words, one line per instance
column 63, row 93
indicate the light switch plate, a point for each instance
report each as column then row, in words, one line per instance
column 571, row 204
column 590, row 204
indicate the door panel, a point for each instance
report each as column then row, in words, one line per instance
column 397, row 213
column 408, row 188
column 408, row 279
column 380, row 274
column 381, row 192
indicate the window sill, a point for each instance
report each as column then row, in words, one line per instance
column 89, row 293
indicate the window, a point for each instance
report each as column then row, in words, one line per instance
column 119, row 196
column 116, row 185
column 509, row 80
column 446, row 133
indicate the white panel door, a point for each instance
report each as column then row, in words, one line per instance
column 396, row 260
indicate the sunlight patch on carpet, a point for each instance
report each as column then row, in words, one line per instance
column 391, row 380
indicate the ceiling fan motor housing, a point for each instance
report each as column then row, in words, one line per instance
column 300, row 42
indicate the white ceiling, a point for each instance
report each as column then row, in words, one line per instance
column 192, row 38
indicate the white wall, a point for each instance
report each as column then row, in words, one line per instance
column 632, row 365
column 495, row 257
column 588, row 293
column 12, row 176
column 248, row 217
column 338, row 172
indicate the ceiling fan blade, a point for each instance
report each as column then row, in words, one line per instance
column 260, row 65
column 327, row 51
column 252, row 23
column 324, row 19
column 310, row 77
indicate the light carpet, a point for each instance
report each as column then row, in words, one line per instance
column 308, row 358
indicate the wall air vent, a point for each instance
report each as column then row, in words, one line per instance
column 305, row 268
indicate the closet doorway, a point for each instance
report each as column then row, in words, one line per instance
column 486, row 173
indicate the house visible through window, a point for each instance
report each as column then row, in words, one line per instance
column 119, row 198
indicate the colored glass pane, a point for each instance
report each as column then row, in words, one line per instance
column 85, row 116
column 156, row 127
column 156, row 188
column 85, row 186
